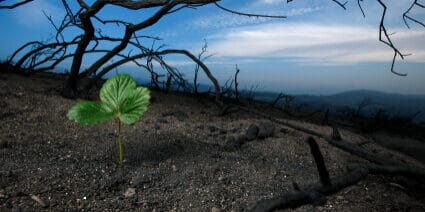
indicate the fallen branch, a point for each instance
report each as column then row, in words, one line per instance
column 318, row 191
column 341, row 144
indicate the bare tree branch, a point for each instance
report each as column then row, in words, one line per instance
column 248, row 14
column 406, row 14
column 340, row 4
column 320, row 163
column 316, row 192
column 200, row 57
column 163, row 52
column 383, row 34
column 361, row 8
column 12, row 6
column 42, row 54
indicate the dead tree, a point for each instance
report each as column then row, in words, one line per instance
column 51, row 54
column 228, row 90
column 43, row 55
column 201, row 58
column 325, row 120
column 362, row 104
column 237, row 84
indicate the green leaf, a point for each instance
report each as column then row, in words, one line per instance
column 115, row 91
column 135, row 106
column 89, row 112
column 120, row 98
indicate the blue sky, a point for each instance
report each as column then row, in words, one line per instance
column 319, row 49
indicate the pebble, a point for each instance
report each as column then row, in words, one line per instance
column 265, row 130
column 251, row 132
column 214, row 209
column 39, row 201
column 130, row 192
column 221, row 178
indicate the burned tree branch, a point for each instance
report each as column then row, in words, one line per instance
column 236, row 83
column 340, row 4
column 163, row 52
column 195, row 77
column 361, row 8
column 343, row 145
column 318, row 191
column 248, row 14
column 83, row 17
column 277, row 99
column 407, row 16
column 383, row 34
column 320, row 163
column 17, row 4
column 315, row 192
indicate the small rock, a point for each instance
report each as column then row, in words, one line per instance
column 174, row 167
column 39, row 201
column 265, row 130
column 251, row 132
column 113, row 181
column 214, row 209
column 339, row 197
column 130, row 192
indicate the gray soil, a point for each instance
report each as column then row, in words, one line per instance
column 179, row 157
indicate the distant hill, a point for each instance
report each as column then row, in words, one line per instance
column 394, row 105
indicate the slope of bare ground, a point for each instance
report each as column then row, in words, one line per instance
column 177, row 158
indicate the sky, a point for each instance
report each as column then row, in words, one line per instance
column 319, row 48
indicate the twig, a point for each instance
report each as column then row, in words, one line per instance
column 17, row 4
column 248, row 14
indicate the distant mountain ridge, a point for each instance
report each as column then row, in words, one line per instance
column 394, row 105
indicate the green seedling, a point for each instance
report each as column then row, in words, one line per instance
column 121, row 99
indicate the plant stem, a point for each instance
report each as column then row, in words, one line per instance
column 119, row 141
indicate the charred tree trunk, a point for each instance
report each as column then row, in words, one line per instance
column 236, row 84
column 70, row 90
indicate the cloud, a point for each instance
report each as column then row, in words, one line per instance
column 302, row 11
column 31, row 15
column 317, row 44
column 270, row 1
column 222, row 19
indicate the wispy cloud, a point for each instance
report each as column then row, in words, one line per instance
column 31, row 15
column 223, row 19
column 270, row 1
column 317, row 44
